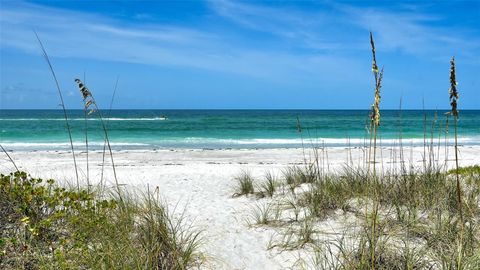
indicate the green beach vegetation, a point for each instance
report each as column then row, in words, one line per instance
column 416, row 214
column 402, row 218
column 46, row 226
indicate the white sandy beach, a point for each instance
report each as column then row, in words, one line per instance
column 201, row 182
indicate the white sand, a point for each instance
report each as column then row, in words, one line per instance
column 201, row 182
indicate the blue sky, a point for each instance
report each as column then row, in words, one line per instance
column 239, row 54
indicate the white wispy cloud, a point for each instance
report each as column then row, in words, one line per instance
column 412, row 32
column 313, row 45
column 408, row 28
column 308, row 29
column 75, row 34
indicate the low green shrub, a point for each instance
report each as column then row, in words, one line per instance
column 45, row 226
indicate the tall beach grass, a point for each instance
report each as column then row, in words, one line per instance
column 405, row 217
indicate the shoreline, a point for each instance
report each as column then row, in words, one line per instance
column 199, row 143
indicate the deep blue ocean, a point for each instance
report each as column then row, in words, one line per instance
column 146, row 129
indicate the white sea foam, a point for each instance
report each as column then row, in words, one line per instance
column 83, row 119
column 198, row 142
column 65, row 144
column 320, row 141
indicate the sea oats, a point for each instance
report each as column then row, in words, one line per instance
column 375, row 122
column 374, row 60
column 92, row 105
column 453, row 88
column 83, row 89
column 87, row 97
column 453, row 102
column 375, row 114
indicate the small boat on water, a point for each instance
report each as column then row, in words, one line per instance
column 162, row 117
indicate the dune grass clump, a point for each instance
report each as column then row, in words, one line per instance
column 289, row 176
column 466, row 171
column 264, row 214
column 244, row 184
column 269, row 186
column 295, row 176
column 46, row 226
column 324, row 197
column 356, row 255
column 416, row 216
column 170, row 244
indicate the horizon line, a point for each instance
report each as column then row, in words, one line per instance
column 241, row 109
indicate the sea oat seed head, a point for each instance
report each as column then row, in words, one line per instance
column 374, row 60
column 83, row 89
column 453, row 88
column 87, row 97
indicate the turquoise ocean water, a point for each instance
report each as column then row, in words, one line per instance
column 145, row 129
